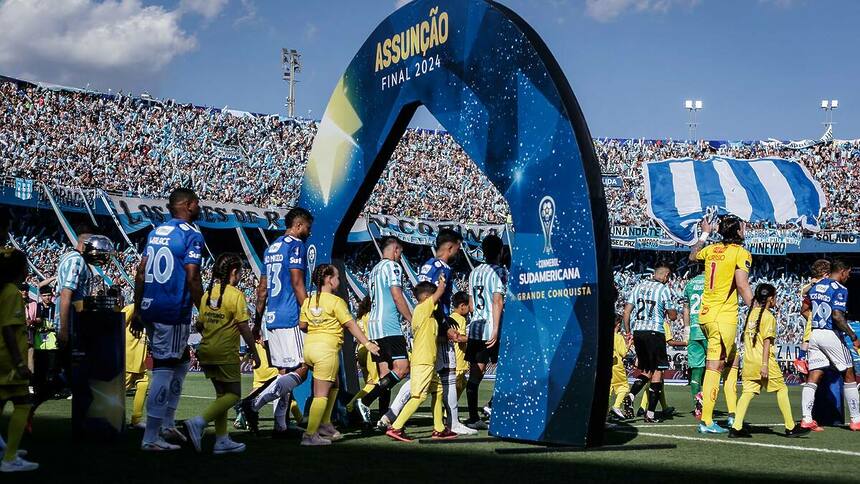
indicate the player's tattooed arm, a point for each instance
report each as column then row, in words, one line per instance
column 706, row 232
column 625, row 319
column 194, row 283
column 400, row 303
column 498, row 307
column 842, row 325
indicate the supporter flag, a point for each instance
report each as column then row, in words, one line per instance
column 680, row 191
column 23, row 188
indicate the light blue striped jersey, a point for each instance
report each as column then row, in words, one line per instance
column 384, row 319
column 650, row 301
column 73, row 274
column 484, row 281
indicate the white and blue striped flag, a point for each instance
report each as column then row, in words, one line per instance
column 679, row 192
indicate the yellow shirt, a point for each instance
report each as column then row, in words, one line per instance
column 460, row 348
column 807, row 330
column 424, row 332
column 754, row 337
column 220, row 343
column 362, row 323
column 720, row 297
column 135, row 348
column 326, row 320
column 12, row 315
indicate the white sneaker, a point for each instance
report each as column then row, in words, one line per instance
column 328, row 432
column 195, row 427
column 383, row 423
column 227, row 446
column 460, row 429
column 172, row 434
column 18, row 465
column 159, row 445
column 314, row 440
column 364, row 410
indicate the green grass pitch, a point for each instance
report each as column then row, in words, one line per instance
column 832, row 455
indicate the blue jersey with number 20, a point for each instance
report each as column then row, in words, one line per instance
column 282, row 308
column 169, row 248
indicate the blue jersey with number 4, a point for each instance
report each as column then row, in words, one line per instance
column 827, row 296
column 169, row 248
column 430, row 271
column 282, row 307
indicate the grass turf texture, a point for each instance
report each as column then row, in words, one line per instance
column 372, row 457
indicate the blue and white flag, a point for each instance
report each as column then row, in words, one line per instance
column 679, row 192
column 23, row 188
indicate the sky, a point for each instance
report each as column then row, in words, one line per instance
column 761, row 67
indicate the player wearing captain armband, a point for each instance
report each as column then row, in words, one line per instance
column 761, row 370
column 727, row 266
column 826, row 344
column 324, row 316
column 167, row 285
column 223, row 318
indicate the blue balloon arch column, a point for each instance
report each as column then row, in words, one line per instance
column 492, row 83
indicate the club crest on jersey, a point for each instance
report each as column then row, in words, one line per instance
column 546, row 212
column 163, row 230
column 275, row 247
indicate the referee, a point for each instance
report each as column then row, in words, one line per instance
column 648, row 304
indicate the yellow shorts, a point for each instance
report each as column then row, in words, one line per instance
column 323, row 358
column 14, row 392
column 368, row 366
column 752, row 382
column 132, row 379
column 721, row 339
column 422, row 380
column 228, row 373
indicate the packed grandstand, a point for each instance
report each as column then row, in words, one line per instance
column 78, row 142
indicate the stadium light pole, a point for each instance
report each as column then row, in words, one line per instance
column 291, row 62
column 693, row 106
column 828, row 107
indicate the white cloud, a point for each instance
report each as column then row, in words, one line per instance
column 82, row 41
column 207, row 8
column 607, row 10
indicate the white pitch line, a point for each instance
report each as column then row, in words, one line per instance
column 751, row 444
column 660, row 426
column 201, row 398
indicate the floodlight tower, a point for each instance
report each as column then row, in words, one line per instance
column 693, row 107
column 828, row 107
column 291, row 62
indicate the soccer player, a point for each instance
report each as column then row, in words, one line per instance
column 14, row 373
column 74, row 283
column 459, row 313
column 135, row 369
column 280, row 293
column 623, row 406
column 760, row 367
column 424, row 377
column 820, row 269
column 697, row 344
column 223, row 318
column 388, row 306
column 652, row 301
column 324, row 317
column 365, row 361
column 826, row 345
column 166, row 286
column 727, row 266
column 487, row 288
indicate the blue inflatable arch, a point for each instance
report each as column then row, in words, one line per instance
column 492, row 83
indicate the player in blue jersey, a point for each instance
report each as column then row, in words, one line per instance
column 280, row 293
column 827, row 347
column 487, row 288
column 648, row 305
column 387, row 308
column 166, row 286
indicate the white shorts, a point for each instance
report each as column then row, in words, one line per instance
column 826, row 348
column 168, row 341
column 445, row 357
column 286, row 348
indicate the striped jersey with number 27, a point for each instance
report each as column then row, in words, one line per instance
column 650, row 301
column 484, row 281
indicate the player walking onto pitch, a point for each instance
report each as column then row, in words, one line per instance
column 324, row 316
column 166, row 285
column 697, row 344
column 280, row 293
column 487, row 288
column 652, row 302
column 826, row 345
column 760, row 367
column 727, row 266
column 819, row 270
column 223, row 318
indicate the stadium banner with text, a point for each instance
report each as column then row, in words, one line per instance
column 612, row 181
column 420, row 232
column 517, row 118
column 140, row 213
